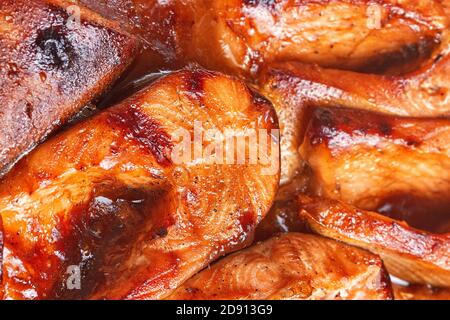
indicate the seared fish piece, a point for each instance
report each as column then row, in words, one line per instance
column 238, row 36
column 420, row 93
column 292, row 266
column 294, row 88
column 114, row 199
column 410, row 254
column 383, row 163
column 54, row 59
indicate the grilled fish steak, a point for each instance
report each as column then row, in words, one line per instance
column 109, row 197
column 295, row 88
column 51, row 66
column 410, row 254
column 389, row 164
column 424, row 92
column 239, row 36
column 292, row 266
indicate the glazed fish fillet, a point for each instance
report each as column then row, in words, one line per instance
column 295, row 88
column 400, row 166
column 424, row 92
column 292, row 266
column 239, row 36
column 51, row 66
column 109, row 197
column 410, row 254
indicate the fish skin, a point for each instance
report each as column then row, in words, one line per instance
column 51, row 66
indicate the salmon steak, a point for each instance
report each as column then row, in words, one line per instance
column 292, row 266
column 244, row 35
column 112, row 199
column 348, row 152
column 225, row 150
column 410, row 254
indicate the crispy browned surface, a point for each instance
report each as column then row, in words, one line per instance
column 238, row 36
column 49, row 71
column 410, row 254
column 423, row 92
column 295, row 88
column 400, row 166
column 106, row 195
column 292, row 266
column 420, row 292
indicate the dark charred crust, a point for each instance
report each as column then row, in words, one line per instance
column 340, row 127
column 415, row 209
column 414, row 54
column 143, row 130
column 412, row 142
column 160, row 233
column 54, row 50
column 100, row 234
column 385, row 128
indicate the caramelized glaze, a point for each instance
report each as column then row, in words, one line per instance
column 106, row 195
column 397, row 166
column 239, row 36
column 410, row 254
column 421, row 93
